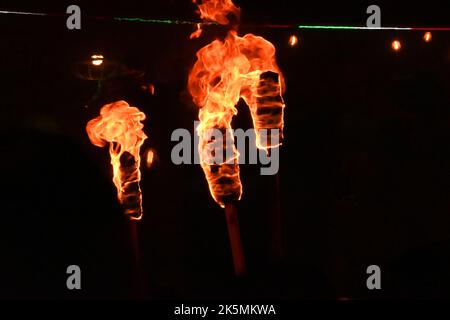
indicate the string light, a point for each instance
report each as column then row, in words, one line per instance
column 150, row 158
column 24, row 13
column 184, row 22
column 97, row 60
column 427, row 36
column 293, row 41
column 374, row 29
column 396, row 45
column 353, row 28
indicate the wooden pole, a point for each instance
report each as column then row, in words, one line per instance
column 276, row 219
column 277, row 224
column 138, row 275
column 237, row 251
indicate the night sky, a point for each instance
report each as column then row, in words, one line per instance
column 364, row 176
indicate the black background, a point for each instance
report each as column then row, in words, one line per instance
column 364, row 168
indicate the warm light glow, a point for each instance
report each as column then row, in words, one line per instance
column 293, row 41
column 396, row 45
column 226, row 71
column 427, row 36
column 197, row 33
column 97, row 60
column 150, row 88
column 150, row 158
column 218, row 11
column 120, row 125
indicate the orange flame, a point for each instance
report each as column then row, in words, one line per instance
column 219, row 11
column 225, row 71
column 120, row 126
column 197, row 33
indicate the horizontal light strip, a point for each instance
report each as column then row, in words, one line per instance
column 182, row 22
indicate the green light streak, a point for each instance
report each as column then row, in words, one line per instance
column 351, row 28
column 155, row 21
column 183, row 22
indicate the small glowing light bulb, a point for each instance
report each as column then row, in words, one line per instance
column 396, row 45
column 150, row 158
column 293, row 41
column 97, row 59
column 427, row 36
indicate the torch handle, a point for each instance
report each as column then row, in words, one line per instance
column 235, row 240
column 276, row 222
column 138, row 276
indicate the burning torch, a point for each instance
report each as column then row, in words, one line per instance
column 225, row 71
column 120, row 125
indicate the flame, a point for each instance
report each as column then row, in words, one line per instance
column 225, row 71
column 219, row 11
column 120, row 126
column 427, row 36
column 197, row 33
